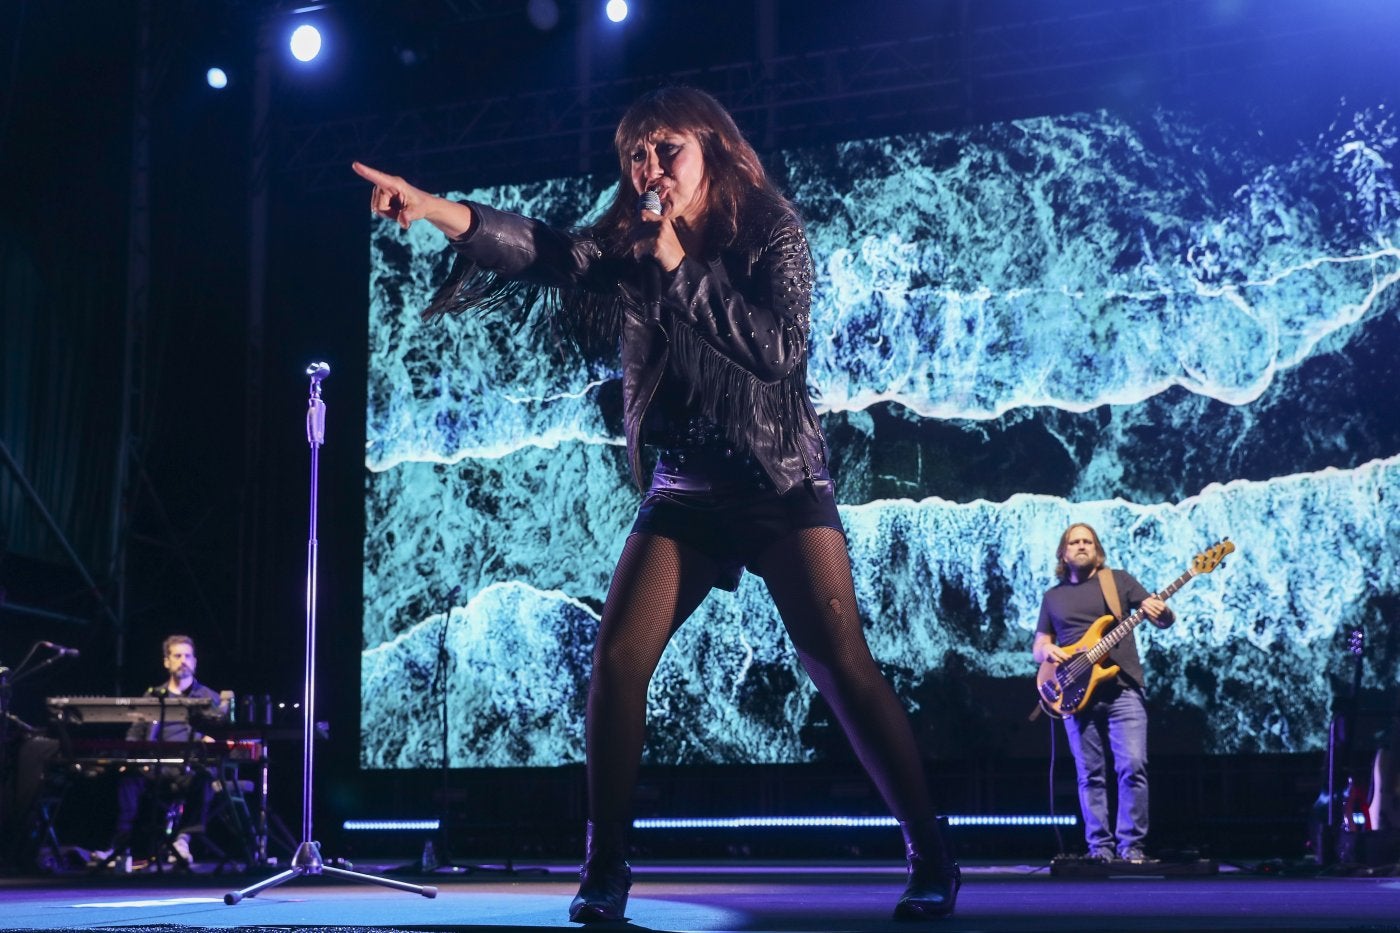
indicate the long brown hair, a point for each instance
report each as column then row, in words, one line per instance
column 1062, row 571
column 733, row 173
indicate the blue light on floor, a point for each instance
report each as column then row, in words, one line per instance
column 390, row 825
column 844, row 822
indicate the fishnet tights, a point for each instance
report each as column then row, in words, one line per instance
column 658, row 583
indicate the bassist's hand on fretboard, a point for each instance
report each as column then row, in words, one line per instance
column 1157, row 611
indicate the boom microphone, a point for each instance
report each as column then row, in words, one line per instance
column 61, row 651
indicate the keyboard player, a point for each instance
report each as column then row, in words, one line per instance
column 191, row 785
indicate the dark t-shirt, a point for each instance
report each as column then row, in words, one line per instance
column 1068, row 609
column 177, row 730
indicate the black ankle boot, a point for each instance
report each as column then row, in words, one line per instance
column 934, row 876
column 605, row 876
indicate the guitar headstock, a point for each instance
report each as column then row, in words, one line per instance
column 1210, row 558
column 1356, row 641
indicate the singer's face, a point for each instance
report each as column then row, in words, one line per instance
column 180, row 660
column 672, row 164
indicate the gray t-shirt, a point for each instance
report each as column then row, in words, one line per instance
column 1068, row 609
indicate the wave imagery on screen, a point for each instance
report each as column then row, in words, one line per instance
column 1173, row 333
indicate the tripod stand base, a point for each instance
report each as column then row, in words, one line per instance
column 307, row 861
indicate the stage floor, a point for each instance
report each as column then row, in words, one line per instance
column 712, row 897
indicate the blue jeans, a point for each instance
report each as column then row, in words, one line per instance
column 1120, row 723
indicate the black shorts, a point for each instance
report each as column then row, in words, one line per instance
column 723, row 506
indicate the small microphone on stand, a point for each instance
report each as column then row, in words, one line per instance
column 316, row 409
column 60, row 650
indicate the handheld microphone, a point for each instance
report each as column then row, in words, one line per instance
column 60, row 650
column 651, row 271
column 318, row 371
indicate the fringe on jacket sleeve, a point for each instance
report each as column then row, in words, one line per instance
column 584, row 314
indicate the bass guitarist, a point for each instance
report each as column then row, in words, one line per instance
column 1113, row 722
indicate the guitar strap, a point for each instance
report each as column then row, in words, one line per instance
column 1110, row 592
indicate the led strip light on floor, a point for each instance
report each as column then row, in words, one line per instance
column 753, row 822
column 391, row 826
column 842, row 822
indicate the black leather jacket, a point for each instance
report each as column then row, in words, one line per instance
column 732, row 327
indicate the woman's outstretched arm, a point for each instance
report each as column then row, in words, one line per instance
column 397, row 200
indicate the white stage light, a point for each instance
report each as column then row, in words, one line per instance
column 305, row 43
column 217, row 79
column 617, row 10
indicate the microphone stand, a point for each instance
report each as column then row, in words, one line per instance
column 8, row 678
column 307, row 860
column 432, row 861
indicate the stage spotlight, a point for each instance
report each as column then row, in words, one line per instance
column 617, row 10
column 305, row 42
column 543, row 14
column 217, row 79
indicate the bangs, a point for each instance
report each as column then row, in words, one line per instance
column 629, row 138
column 679, row 110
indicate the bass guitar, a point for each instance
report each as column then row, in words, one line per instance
column 1064, row 687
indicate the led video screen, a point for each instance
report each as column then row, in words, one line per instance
column 1175, row 330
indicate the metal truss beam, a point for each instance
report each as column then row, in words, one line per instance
column 979, row 68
